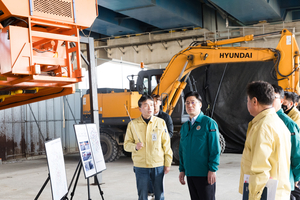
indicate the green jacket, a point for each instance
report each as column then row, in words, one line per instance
column 295, row 150
column 199, row 149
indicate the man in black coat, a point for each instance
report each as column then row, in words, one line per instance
column 159, row 113
column 169, row 122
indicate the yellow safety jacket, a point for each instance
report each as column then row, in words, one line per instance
column 156, row 151
column 294, row 114
column 266, row 154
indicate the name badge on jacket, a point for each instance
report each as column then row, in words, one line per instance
column 154, row 137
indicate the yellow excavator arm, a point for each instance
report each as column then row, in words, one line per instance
column 285, row 57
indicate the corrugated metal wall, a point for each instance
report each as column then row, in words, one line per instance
column 23, row 128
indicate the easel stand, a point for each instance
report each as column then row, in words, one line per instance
column 43, row 187
column 77, row 174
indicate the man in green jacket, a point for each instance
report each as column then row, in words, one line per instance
column 199, row 150
column 295, row 140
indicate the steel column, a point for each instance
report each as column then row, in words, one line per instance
column 93, row 86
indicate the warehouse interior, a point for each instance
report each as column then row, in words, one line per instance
column 119, row 50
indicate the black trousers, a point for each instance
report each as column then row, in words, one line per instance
column 295, row 194
column 200, row 189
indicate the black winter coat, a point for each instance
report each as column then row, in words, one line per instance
column 168, row 120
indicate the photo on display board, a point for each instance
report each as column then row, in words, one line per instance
column 88, row 140
column 84, row 145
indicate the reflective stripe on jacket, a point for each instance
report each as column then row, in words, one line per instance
column 266, row 154
column 156, row 151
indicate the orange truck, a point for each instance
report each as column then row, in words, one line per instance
column 172, row 83
column 40, row 48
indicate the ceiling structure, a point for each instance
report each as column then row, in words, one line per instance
column 124, row 17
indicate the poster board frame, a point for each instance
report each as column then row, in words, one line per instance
column 94, row 137
column 90, row 150
column 56, row 168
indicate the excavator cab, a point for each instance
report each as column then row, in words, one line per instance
column 147, row 80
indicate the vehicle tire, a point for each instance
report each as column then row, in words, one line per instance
column 126, row 153
column 120, row 147
column 222, row 143
column 175, row 148
column 109, row 147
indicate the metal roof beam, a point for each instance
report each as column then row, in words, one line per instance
column 164, row 14
column 296, row 15
column 111, row 23
column 289, row 9
column 253, row 11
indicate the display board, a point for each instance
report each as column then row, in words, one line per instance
column 90, row 149
column 96, row 147
column 56, row 167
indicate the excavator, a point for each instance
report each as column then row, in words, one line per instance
column 172, row 83
column 40, row 48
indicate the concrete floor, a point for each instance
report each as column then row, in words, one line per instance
column 23, row 179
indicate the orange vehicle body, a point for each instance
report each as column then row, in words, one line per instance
column 112, row 106
column 40, row 48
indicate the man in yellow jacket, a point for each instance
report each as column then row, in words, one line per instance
column 289, row 107
column 267, row 147
column 148, row 139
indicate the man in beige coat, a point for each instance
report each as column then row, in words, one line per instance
column 267, row 147
column 289, row 107
column 148, row 139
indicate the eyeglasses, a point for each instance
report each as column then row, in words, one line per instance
column 192, row 103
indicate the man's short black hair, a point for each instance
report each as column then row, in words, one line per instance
column 289, row 96
column 144, row 98
column 296, row 97
column 194, row 94
column 278, row 90
column 263, row 91
column 156, row 96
